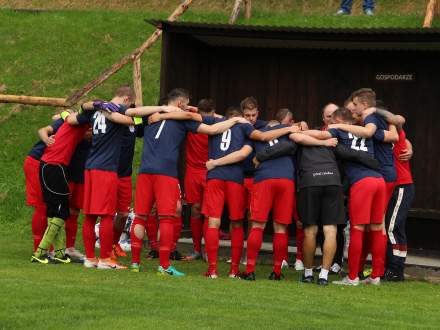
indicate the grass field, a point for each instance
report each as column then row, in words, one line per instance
column 52, row 54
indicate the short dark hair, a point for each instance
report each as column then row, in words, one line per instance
column 206, row 105
column 163, row 100
column 366, row 95
column 177, row 93
column 344, row 114
column 125, row 90
column 233, row 112
column 249, row 103
column 282, row 113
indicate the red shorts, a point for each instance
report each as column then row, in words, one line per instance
column 34, row 194
column 389, row 186
column 76, row 198
column 217, row 193
column 162, row 189
column 100, row 192
column 125, row 189
column 195, row 183
column 367, row 201
column 248, row 185
column 277, row 195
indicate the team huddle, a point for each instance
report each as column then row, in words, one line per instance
column 354, row 169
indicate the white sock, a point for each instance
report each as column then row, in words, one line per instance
column 323, row 274
column 308, row 272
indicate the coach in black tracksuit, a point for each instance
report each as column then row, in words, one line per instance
column 320, row 197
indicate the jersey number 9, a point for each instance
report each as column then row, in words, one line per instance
column 226, row 140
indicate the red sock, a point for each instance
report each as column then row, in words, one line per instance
column 254, row 241
column 177, row 231
column 237, row 239
column 366, row 250
column 354, row 252
column 211, row 247
column 151, row 227
column 39, row 224
column 166, row 236
column 71, row 226
column 378, row 251
column 106, row 236
column 89, row 237
column 118, row 232
column 280, row 243
column 197, row 233
column 136, row 243
column 299, row 243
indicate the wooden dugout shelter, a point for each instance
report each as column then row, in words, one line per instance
column 304, row 69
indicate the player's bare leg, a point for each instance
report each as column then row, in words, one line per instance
column 328, row 254
column 309, row 249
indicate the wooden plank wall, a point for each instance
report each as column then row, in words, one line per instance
column 305, row 81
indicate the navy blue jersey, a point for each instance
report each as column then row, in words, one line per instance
column 223, row 144
column 39, row 147
column 278, row 168
column 127, row 151
column 248, row 165
column 106, row 142
column 355, row 171
column 383, row 151
column 162, row 141
column 78, row 161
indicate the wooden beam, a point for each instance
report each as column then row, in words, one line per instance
column 33, row 100
column 137, row 81
column 235, row 11
column 247, row 9
column 429, row 13
column 76, row 96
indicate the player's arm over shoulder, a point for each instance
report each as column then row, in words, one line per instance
column 118, row 118
column 232, row 158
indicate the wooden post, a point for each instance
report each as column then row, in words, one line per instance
column 72, row 99
column 429, row 13
column 248, row 9
column 235, row 11
column 33, row 100
column 137, row 81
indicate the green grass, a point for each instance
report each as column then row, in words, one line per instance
column 71, row 297
column 52, row 54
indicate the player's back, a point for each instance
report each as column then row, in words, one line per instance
column 383, row 151
column 39, row 147
column 66, row 139
column 355, row 171
column 162, row 141
column 106, row 143
column 223, row 144
column 277, row 168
